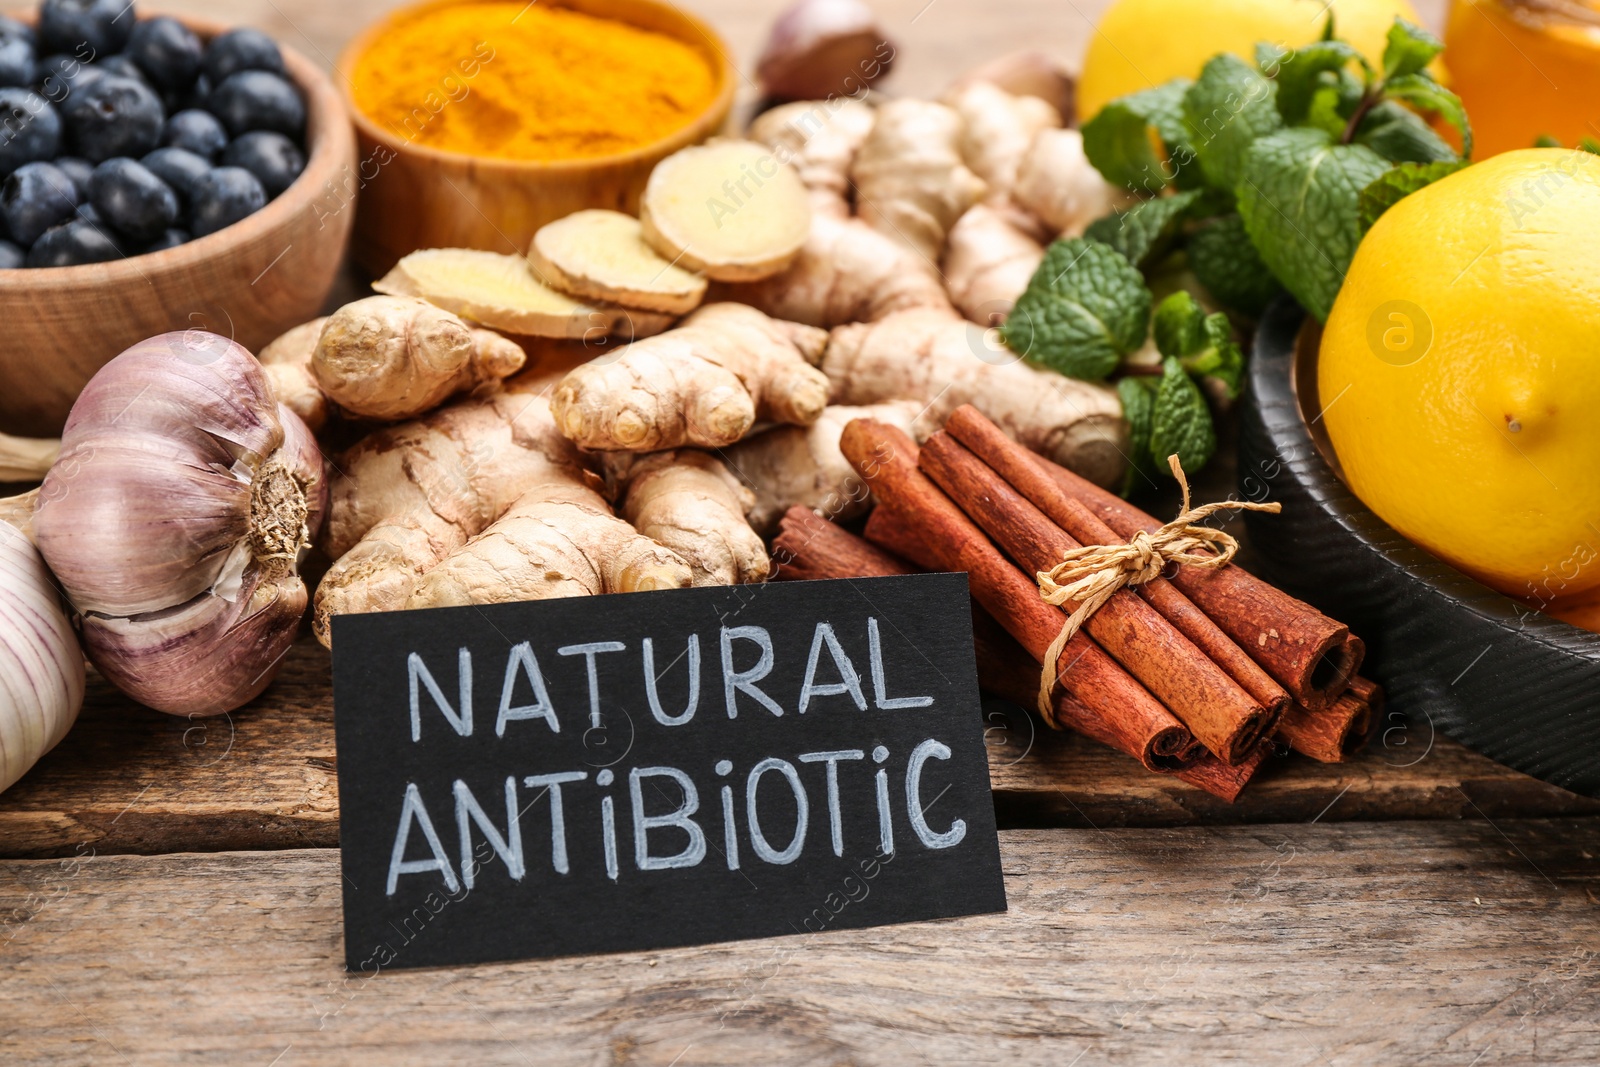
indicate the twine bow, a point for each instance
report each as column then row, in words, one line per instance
column 1092, row 574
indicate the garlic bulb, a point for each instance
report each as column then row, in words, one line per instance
column 41, row 667
column 175, row 519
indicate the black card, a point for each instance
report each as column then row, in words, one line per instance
column 654, row 769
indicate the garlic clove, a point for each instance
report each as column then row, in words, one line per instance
column 207, row 656
column 41, row 665
column 130, row 527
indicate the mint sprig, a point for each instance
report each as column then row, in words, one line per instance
column 1084, row 309
column 1395, row 185
column 1118, row 140
column 1181, row 422
column 1145, row 230
column 1203, row 344
column 1229, row 107
column 1298, row 199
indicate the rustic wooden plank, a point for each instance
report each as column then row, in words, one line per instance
column 132, row 780
column 1402, row 943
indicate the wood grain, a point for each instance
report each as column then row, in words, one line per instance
column 1407, row 943
column 132, row 780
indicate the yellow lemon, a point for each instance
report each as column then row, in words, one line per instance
column 1460, row 371
column 1139, row 44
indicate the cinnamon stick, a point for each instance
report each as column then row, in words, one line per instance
column 1227, row 780
column 933, row 533
column 1330, row 735
column 1307, row 652
column 1223, row 717
column 1016, row 465
column 808, row 546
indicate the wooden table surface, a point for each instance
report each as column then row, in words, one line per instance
column 169, row 889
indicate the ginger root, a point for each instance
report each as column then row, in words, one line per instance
column 287, row 362
column 1029, row 72
column 1058, row 184
column 689, row 501
column 501, row 292
column 988, row 262
column 997, row 130
column 389, row 357
column 944, row 362
column 559, row 539
column 790, row 465
column 704, row 383
column 820, row 139
column 602, row 255
column 847, row 272
column 407, row 495
column 911, row 182
column 731, row 209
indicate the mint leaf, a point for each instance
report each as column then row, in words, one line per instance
column 1228, row 265
column 1138, row 397
column 1544, row 140
column 1301, row 74
column 1144, row 229
column 1179, row 325
column 1221, row 358
column 1084, row 309
column 1396, row 184
column 1298, row 200
column 1229, row 107
column 1202, row 343
column 1425, row 94
column 1590, row 145
column 1409, row 49
column 1400, row 135
column 1131, row 139
column 1181, row 422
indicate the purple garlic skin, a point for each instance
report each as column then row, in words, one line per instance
column 176, row 519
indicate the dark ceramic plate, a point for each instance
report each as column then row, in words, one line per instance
column 1511, row 683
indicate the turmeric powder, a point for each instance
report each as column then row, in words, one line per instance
column 529, row 82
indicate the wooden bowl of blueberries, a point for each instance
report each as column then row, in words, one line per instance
column 156, row 174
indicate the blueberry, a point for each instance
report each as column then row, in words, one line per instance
column 34, row 198
column 179, row 168
column 79, row 26
column 274, row 159
column 12, row 30
column 256, row 100
column 71, row 244
column 196, row 130
column 56, row 77
column 16, row 61
column 223, row 197
column 167, row 51
column 11, row 257
column 88, row 214
column 132, row 199
column 241, row 49
column 113, row 117
column 122, row 67
column 30, row 129
column 171, row 239
column 78, row 170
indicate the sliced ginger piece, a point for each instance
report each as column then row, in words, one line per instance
column 730, row 209
column 602, row 255
column 501, row 292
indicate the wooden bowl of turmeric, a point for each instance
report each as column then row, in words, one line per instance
column 478, row 121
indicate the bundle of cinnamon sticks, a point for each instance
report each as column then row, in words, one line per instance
column 1198, row 673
